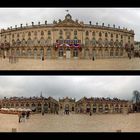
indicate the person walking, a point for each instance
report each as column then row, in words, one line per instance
column 93, row 58
column 19, row 116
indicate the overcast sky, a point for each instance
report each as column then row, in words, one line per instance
column 69, row 86
column 124, row 17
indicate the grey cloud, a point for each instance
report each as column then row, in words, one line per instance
column 124, row 17
column 71, row 86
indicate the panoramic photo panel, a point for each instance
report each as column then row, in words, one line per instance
column 69, row 39
column 69, row 104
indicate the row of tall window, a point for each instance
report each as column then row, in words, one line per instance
column 68, row 34
column 27, row 105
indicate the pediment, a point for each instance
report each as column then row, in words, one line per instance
column 68, row 23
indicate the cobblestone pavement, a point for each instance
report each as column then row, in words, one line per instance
column 72, row 123
column 82, row 64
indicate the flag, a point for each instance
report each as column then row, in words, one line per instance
column 67, row 45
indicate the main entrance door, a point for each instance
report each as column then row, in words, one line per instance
column 68, row 54
column 60, row 53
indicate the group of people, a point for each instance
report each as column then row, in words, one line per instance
column 23, row 116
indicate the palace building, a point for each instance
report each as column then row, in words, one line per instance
column 37, row 104
column 84, row 105
column 66, row 39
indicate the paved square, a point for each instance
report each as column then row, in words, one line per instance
column 64, row 64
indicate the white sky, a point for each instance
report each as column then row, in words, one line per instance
column 72, row 86
column 124, row 17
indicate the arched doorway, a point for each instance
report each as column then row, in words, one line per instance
column 121, row 52
column 94, row 108
column 12, row 52
column 45, row 107
column 48, row 53
column 100, row 53
column 17, row 52
column 41, row 53
column 100, row 108
column 60, row 53
column 23, row 52
column 75, row 53
column 88, row 108
column 87, row 53
column 67, row 109
column 35, row 53
column 29, row 52
column 68, row 54
column 106, row 53
column 111, row 53
column 117, row 52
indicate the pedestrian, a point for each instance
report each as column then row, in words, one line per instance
column 42, row 113
column 90, row 113
column 43, row 58
column 93, row 58
column 19, row 116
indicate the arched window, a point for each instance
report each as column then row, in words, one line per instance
column 111, row 35
column 42, row 33
column 111, row 42
column 23, row 35
column 100, row 34
column 100, row 41
column 27, row 105
column 35, row 33
column 87, row 41
column 106, row 42
column 116, row 35
column 29, row 42
column 75, row 32
column 121, row 36
column 87, row 33
column 17, row 35
column 29, row 33
column 106, row 34
column 93, row 33
column 93, row 41
column 61, row 32
column 49, row 32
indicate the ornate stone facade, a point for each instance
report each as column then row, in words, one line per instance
column 75, row 39
column 84, row 105
column 37, row 104
column 67, row 104
column 103, row 105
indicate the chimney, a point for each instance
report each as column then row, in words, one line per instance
column 21, row 25
column 39, row 23
column 46, row 22
column 32, row 23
